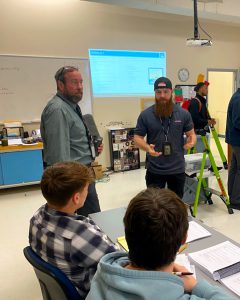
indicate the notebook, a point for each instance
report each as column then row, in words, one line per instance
column 221, row 262
column 122, row 241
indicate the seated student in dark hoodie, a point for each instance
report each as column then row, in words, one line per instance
column 156, row 224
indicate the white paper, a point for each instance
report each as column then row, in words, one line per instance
column 14, row 142
column 196, row 232
column 217, row 257
column 183, row 260
column 115, row 147
column 233, row 283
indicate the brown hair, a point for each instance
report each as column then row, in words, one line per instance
column 156, row 222
column 60, row 181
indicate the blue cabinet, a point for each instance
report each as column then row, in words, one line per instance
column 1, row 175
column 20, row 167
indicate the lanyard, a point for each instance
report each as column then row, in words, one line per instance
column 89, row 137
column 166, row 131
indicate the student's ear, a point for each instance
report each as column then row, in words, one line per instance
column 76, row 198
column 184, row 239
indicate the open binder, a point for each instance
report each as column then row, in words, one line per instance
column 222, row 263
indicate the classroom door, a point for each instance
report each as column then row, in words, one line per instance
column 222, row 86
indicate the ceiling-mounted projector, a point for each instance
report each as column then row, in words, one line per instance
column 198, row 42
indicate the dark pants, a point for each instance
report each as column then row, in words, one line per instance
column 234, row 177
column 91, row 204
column 174, row 182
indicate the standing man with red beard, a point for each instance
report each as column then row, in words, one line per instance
column 164, row 124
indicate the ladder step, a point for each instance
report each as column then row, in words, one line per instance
column 212, row 191
column 206, row 173
column 211, row 168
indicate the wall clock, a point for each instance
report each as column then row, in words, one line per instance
column 183, row 74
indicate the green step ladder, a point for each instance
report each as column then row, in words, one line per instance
column 201, row 181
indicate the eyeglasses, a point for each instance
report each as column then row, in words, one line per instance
column 59, row 76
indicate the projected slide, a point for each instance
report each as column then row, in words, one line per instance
column 125, row 73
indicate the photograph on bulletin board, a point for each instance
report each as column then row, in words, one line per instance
column 183, row 94
column 124, row 154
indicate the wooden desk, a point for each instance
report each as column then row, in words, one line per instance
column 20, row 165
column 14, row 148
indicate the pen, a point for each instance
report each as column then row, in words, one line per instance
column 183, row 248
column 182, row 273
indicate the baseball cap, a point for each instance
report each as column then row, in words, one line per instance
column 200, row 84
column 162, row 83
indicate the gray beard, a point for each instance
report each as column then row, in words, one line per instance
column 73, row 99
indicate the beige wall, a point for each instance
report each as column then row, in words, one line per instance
column 70, row 27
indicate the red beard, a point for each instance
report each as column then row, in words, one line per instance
column 163, row 108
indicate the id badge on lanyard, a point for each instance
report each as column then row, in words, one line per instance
column 166, row 146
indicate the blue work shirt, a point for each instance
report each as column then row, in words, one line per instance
column 148, row 124
column 233, row 120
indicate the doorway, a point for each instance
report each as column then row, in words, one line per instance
column 223, row 84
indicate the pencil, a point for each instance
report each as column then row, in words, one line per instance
column 182, row 273
column 183, row 248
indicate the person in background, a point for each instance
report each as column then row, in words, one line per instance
column 198, row 107
column 165, row 124
column 64, row 132
column 156, row 224
column 64, row 239
column 232, row 137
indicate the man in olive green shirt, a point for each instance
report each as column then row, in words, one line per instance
column 64, row 133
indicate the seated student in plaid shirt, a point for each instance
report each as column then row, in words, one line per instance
column 71, row 242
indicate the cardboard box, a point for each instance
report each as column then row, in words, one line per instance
column 97, row 169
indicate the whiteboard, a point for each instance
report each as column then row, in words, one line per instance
column 27, row 83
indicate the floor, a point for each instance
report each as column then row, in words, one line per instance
column 17, row 279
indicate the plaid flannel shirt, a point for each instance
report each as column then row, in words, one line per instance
column 72, row 243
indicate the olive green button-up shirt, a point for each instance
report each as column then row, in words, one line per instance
column 63, row 132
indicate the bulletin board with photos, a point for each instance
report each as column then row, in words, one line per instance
column 124, row 155
column 184, row 92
